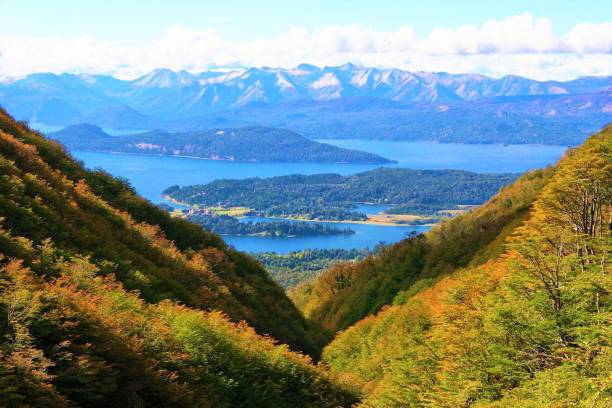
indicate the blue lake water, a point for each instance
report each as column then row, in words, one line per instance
column 481, row 158
column 150, row 175
column 365, row 236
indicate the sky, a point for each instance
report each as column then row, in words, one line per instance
column 538, row 39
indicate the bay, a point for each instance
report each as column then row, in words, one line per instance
column 150, row 175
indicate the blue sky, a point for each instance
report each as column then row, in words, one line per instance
column 239, row 20
column 543, row 39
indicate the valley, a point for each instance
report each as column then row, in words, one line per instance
column 99, row 285
column 321, row 204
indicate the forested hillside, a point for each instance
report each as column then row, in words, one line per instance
column 349, row 292
column 252, row 143
column 106, row 300
column 522, row 320
column 333, row 196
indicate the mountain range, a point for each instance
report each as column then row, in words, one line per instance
column 294, row 98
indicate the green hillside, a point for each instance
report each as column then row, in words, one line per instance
column 108, row 301
column 334, row 196
column 522, row 320
column 349, row 292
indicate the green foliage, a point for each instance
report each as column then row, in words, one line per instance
column 228, row 225
column 530, row 327
column 399, row 271
column 243, row 144
column 81, row 339
column 333, row 197
column 296, row 267
column 418, row 209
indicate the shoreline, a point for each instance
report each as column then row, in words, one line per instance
column 365, row 222
column 368, row 163
column 369, row 221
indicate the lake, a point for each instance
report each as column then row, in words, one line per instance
column 366, row 235
column 150, row 175
column 480, row 158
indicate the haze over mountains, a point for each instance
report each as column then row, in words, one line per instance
column 404, row 103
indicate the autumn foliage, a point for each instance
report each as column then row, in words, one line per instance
column 528, row 328
column 349, row 292
column 107, row 301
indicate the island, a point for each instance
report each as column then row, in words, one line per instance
column 227, row 222
column 228, row 225
column 253, row 144
column 414, row 196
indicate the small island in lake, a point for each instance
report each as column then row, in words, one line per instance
column 225, row 224
column 254, row 143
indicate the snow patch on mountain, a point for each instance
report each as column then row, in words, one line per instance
column 283, row 83
column 360, row 79
column 327, row 80
column 253, row 93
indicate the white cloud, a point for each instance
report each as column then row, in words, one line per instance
column 519, row 44
column 589, row 38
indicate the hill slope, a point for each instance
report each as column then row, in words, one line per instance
column 242, row 144
column 349, row 292
column 529, row 328
column 92, row 276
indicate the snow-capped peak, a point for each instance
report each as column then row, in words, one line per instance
column 164, row 78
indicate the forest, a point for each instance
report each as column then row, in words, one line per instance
column 241, row 144
column 334, row 197
column 228, row 225
column 291, row 269
column 107, row 300
column 507, row 305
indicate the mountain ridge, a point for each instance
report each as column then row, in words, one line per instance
column 346, row 101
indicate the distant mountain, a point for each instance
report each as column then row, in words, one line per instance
column 546, row 119
column 111, row 116
column 178, row 100
column 241, row 144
